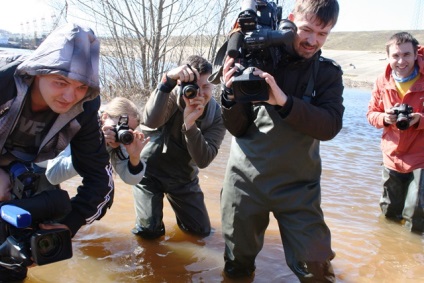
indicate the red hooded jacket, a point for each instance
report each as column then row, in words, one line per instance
column 403, row 151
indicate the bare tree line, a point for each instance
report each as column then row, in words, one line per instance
column 142, row 39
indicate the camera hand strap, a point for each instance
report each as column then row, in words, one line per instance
column 218, row 63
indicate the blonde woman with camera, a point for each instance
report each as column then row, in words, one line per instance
column 120, row 118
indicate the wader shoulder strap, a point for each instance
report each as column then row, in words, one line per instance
column 309, row 92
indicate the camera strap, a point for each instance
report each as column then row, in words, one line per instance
column 310, row 92
column 218, row 63
column 120, row 154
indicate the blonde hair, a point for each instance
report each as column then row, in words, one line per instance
column 122, row 106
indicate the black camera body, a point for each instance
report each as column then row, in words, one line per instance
column 23, row 243
column 402, row 111
column 189, row 89
column 259, row 44
column 122, row 131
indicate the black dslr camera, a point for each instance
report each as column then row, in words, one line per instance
column 23, row 243
column 402, row 111
column 122, row 131
column 189, row 89
column 260, row 42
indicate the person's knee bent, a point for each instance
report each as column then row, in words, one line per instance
column 201, row 230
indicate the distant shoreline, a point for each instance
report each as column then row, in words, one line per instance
column 368, row 65
column 348, row 83
column 360, row 68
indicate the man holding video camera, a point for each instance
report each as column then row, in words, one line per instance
column 274, row 164
column 50, row 99
column 188, row 133
column 397, row 107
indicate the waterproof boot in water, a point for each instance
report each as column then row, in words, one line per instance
column 234, row 270
column 315, row 272
column 148, row 234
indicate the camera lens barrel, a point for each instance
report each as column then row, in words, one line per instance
column 248, row 87
column 402, row 122
column 189, row 90
column 48, row 246
column 125, row 137
column 403, row 119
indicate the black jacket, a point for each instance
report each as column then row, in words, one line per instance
column 276, row 149
column 321, row 118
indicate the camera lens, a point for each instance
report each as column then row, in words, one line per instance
column 190, row 91
column 402, row 123
column 49, row 245
column 251, row 88
column 125, row 137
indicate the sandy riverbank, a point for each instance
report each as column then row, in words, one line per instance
column 360, row 68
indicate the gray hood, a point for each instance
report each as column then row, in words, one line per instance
column 72, row 51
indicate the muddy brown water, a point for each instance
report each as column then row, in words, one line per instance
column 368, row 247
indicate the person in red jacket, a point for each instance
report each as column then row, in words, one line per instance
column 397, row 107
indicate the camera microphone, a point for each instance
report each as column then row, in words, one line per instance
column 18, row 217
column 234, row 44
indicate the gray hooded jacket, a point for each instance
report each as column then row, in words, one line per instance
column 71, row 51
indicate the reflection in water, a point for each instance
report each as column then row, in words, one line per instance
column 368, row 247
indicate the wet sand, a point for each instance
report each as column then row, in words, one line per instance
column 360, row 68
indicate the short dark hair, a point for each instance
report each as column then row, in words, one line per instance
column 327, row 11
column 200, row 64
column 402, row 37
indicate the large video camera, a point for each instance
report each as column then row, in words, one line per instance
column 262, row 38
column 122, row 131
column 23, row 243
column 402, row 111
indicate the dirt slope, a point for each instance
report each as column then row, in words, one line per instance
column 361, row 55
column 365, row 40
